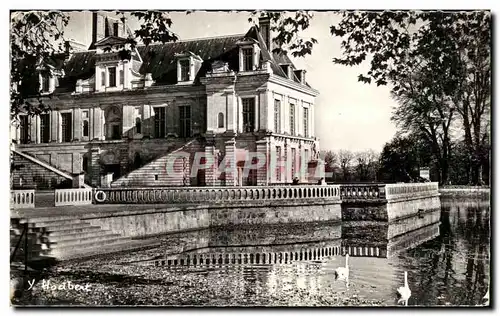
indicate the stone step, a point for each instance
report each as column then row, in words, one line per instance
column 99, row 247
column 86, row 242
column 57, row 227
column 62, row 222
column 39, row 219
column 74, row 237
column 71, row 231
column 119, row 246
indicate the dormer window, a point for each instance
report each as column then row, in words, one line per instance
column 184, row 66
column 287, row 69
column 45, row 83
column 249, row 54
column 247, row 59
column 112, row 76
column 188, row 65
column 115, row 29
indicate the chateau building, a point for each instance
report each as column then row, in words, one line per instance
column 121, row 120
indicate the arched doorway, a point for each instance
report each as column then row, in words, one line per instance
column 113, row 123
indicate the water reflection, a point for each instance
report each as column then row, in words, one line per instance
column 445, row 251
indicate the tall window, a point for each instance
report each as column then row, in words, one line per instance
column 247, row 59
column 45, row 128
column 248, row 114
column 220, row 120
column 184, row 69
column 85, row 163
column 24, row 129
column 85, row 123
column 122, row 79
column 278, row 167
column 160, row 116
column 294, row 161
column 112, row 76
column 277, row 116
column 138, row 125
column 115, row 29
column 103, row 78
column 66, row 125
column 185, row 117
column 306, row 122
column 292, row 119
column 45, row 83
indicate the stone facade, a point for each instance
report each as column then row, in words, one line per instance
column 124, row 119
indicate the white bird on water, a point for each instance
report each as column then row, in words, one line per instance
column 342, row 273
column 486, row 298
column 404, row 291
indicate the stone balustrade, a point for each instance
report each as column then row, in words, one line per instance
column 82, row 196
column 404, row 190
column 22, row 199
column 228, row 258
column 362, row 191
column 213, row 194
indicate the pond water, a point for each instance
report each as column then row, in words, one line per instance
column 445, row 252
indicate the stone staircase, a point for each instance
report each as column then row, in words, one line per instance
column 154, row 173
column 63, row 237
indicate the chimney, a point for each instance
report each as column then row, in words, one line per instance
column 94, row 28
column 265, row 30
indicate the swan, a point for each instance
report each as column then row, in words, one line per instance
column 486, row 298
column 404, row 291
column 342, row 273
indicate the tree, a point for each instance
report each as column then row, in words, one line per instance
column 36, row 43
column 436, row 62
column 367, row 165
column 330, row 159
column 399, row 160
column 345, row 158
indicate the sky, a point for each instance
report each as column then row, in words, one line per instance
column 349, row 114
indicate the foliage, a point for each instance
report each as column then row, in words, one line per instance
column 437, row 64
column 36, row 43
column 287, row 28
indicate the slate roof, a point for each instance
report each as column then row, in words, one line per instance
column 159, row 59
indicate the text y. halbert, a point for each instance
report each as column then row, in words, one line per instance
column 64, row 286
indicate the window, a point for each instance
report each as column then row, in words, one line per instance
column 247, row 59
column 66, row 127
column 103, row 78
column 292, row 119
column 85, row 123
column 115, row 29
column 138, row 125
column 278, row 167
column 294, row 161
column 45, row 83
column 220, row 119
column 122, row 79
column 306, row 121
column 25, row 129
column 277, row 116
column 185, row 120
column 112, row 76
column 248, row 114
column 184, row 69
column 85, row 163
column 115, row 131
column 286, row 70
column 160, row 115
column 44, row 128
